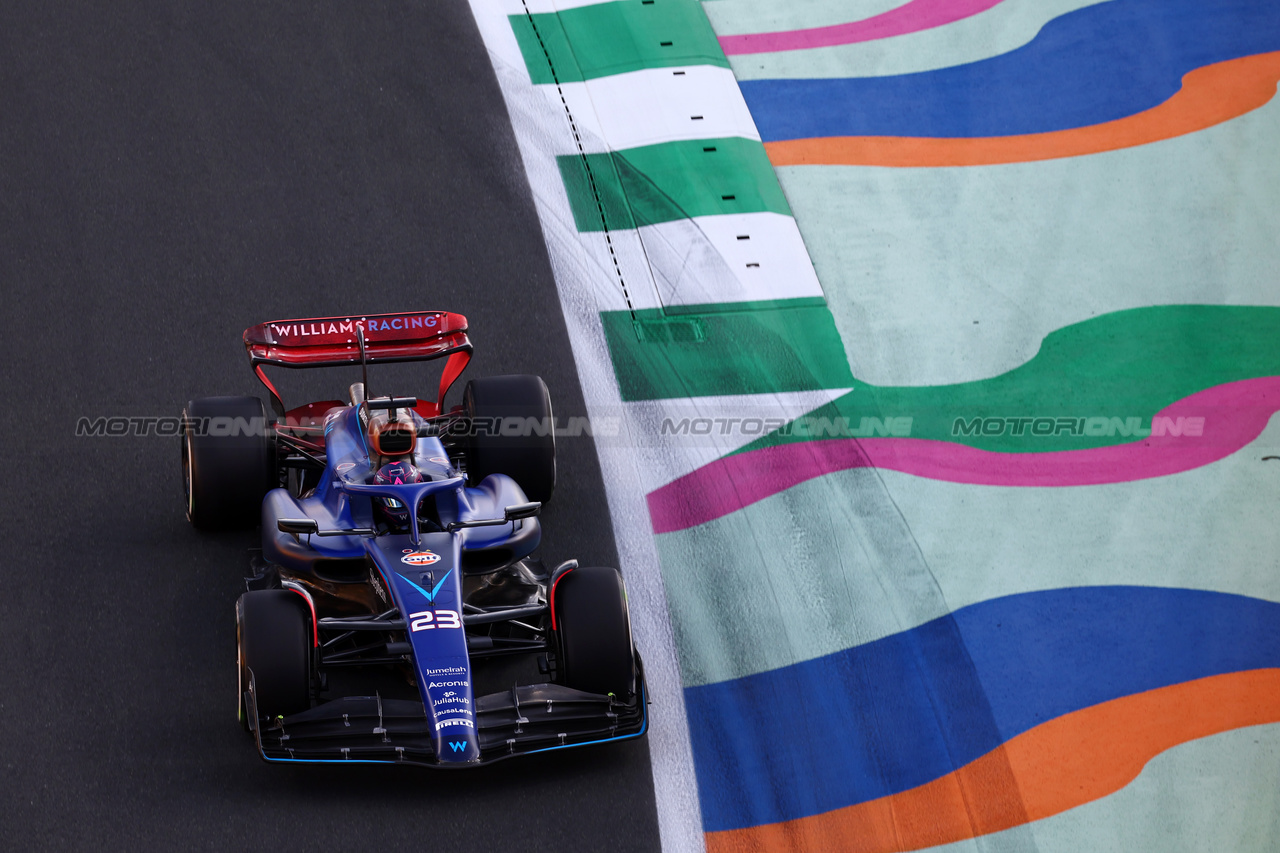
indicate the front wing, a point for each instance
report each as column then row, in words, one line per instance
column 519, row 721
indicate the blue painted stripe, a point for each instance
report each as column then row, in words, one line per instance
column 1092, row 65
column 887, row 716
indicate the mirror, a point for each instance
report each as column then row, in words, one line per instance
column 515, row 512
column 519, row 511
column 297, row 525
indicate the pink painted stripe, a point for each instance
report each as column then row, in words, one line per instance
column 909, row 18
column 1234, row 415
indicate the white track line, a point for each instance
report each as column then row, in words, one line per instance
column 587, row 271
column 661, row 105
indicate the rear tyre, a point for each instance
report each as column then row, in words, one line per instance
column 227, row 461
column 273, row 628
column 593, row 632
column 527, row 456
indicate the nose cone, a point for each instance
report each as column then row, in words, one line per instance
column 427, row 586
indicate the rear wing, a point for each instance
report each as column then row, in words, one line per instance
column 333, row 342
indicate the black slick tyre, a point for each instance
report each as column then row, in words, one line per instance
column 593, row 632
column 512, row 432
column 274, row 633
column 228, row 463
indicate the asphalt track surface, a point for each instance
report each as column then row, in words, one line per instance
column 171, row 173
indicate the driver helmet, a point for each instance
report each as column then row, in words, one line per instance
column 394, row 512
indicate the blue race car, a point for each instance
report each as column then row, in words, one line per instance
column 396, row 612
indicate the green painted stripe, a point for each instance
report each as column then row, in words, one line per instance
column 1128, row 364
column 759, row 305
column 671, row 181
column 784, row 345
column 613, row 38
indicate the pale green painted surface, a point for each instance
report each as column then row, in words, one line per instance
column 821, row 567
column 1211, row 528
column 729, row 17
column 857, row 555
column 940, row 276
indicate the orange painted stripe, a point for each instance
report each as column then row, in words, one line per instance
column 1209, row 95
column 1058, row 765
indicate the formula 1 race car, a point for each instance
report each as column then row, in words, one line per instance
column 396, row 611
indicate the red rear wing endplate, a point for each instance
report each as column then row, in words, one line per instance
column 332, row 342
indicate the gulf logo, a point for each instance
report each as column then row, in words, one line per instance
column 419, row 558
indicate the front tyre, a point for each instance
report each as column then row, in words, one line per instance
column 593, row 632
column 228, row 463
column 274, row 634
column 512, row 432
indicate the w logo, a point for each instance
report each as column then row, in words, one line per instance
column 457, row 745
